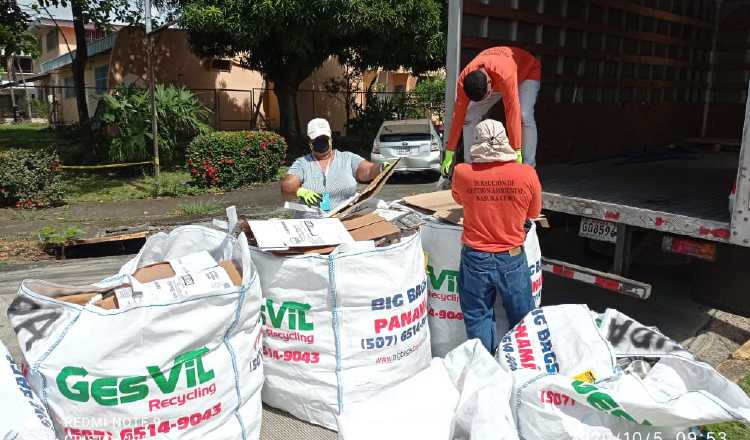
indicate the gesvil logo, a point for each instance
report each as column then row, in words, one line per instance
column 446, row 277
column 294, row 312
column 110, row 391
column 602, row 401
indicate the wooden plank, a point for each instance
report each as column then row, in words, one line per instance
column 484, row 43
column 503, row 13
column 652, row 12
column 109, row 238
column 743, row 353
column 714, row 141
column 636, row 83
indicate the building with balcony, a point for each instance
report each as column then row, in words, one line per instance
column 239, row 98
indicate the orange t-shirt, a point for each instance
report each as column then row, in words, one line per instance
column 497, row 198
column 508, row 67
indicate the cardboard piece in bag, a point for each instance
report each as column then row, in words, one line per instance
column 147, row 274
column 370, row 227
column 163, row 270
column 362, row 228
column 433, row 201
column 443, row 207
column 299, row 233
column 371, row 190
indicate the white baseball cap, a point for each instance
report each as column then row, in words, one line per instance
column 318, row 127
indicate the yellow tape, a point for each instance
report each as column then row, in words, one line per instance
column 586, row 376
column 102, row 167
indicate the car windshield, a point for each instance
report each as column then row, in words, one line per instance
column 405, row 132
column 405, row 137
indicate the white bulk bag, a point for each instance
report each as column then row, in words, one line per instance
column 442, row 243
column 421, row 407
column 339, row 328
column 676, row 394
column 484, row 410
column 22, row 414
column 464, row 396
column 562, row 339
column 187, row 368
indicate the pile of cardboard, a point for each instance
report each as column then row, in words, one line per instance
column 192, row 274
column 440, row 204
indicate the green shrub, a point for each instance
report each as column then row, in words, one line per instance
column 28, row 179
column 427, row 98
column 51, row 237
column 40, row 108
column 123, row 123
column 231, row 159
column 363, row 128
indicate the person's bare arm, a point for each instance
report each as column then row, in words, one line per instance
column 289, row 186
column 366, row 171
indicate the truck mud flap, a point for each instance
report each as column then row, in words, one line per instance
column 609, row 281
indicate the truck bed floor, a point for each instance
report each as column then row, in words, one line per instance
column 690, row 184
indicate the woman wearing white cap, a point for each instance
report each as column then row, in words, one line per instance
column 326, row 177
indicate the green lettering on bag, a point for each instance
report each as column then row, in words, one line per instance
column 295, row 311
column 449, row 276
column 104, row 391
column 110, row 391
column 82, row 394
column 602, row 401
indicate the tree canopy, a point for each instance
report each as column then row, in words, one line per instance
column 14, row 35
column 287, row 40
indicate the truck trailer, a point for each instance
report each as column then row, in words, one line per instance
column 644, row 133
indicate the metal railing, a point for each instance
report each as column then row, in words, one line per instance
column 92, row 48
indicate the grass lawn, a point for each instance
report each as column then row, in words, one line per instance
column 30, row 135
column 26, row 135
column 733, row 430
column 111, row 187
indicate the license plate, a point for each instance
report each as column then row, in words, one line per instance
column 598, row 230
column 404, row 150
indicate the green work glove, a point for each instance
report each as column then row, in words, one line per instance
column 308, row 196
column 519, row 155
column 447, row 161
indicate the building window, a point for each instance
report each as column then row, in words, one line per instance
column 94, row 34
column 223, row 65
column 25, row 65
column 399, row 89
column 52, row 41
column 70, row 90
column 100, row 78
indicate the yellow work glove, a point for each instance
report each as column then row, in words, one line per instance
column 519, row 155
column 308, row 196
column 447, row 161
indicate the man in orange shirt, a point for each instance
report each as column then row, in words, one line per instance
column 508, row 73
column 499, row 196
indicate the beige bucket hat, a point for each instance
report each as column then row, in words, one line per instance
column 491, row 143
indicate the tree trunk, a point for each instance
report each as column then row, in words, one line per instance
column 79, row 71
column 286, row 92
column 13, row 92
column 25, row 87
